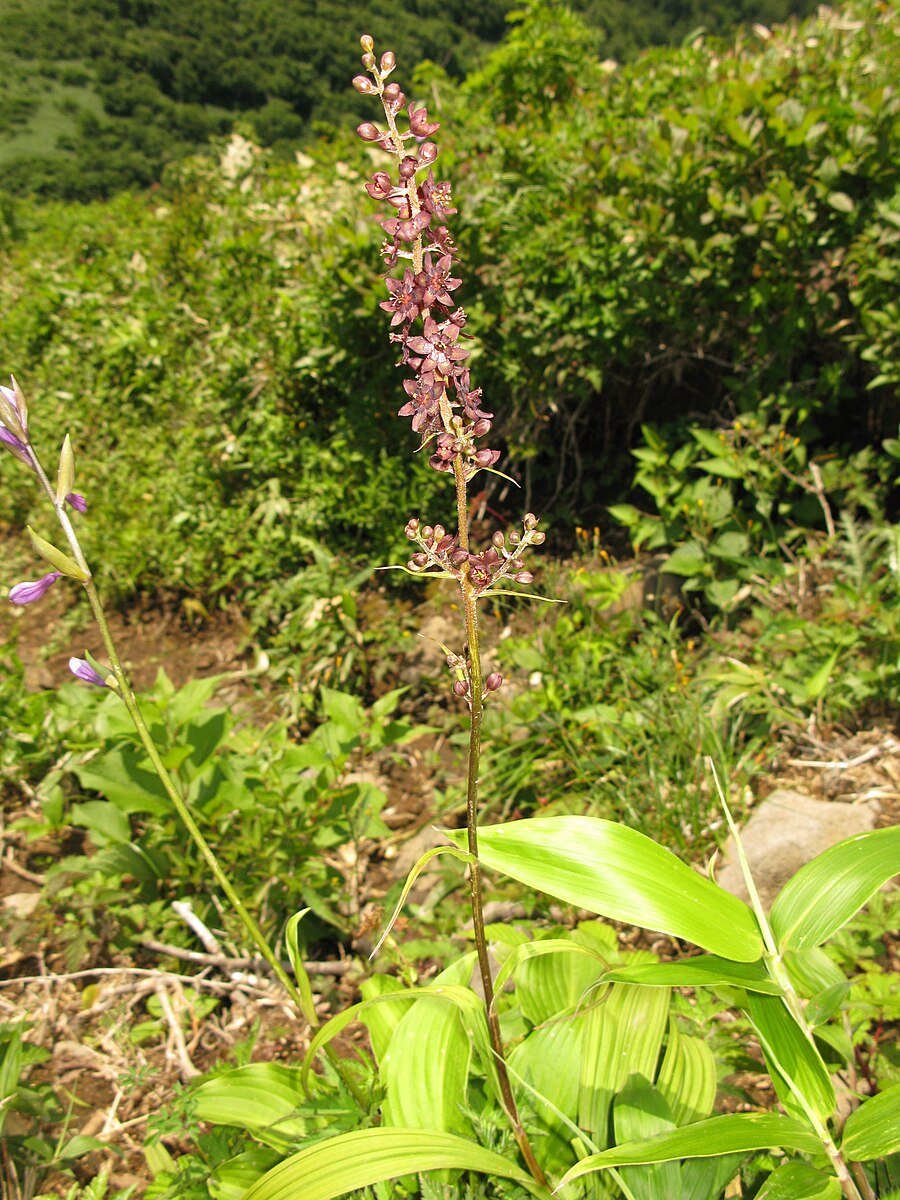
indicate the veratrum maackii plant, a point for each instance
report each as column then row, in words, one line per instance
column 568, row 1070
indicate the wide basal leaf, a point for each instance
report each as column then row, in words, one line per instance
column 549, row 1060
column 687, row 1077
column 799, row 1181
column 706, row 1139
column 640, row 1111
column 261, row 1097
column 551, row 975
column 825, row 893
column 873, row 1131
column 616, row 872
column 350, row 1161
column 706, row 970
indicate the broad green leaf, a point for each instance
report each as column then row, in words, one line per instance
column 263, row 1098
column 706, row 970
column 791, row 1055
column 825, row 893
column 616, row 872
column 425, row 1070
column 552, row 975
column 640, row 1111
column 687, row 1077
column 356, row 1160
column 687, row 560
column 706, row 1139
column 105, row 821
column 230, row 1180
column 873, row 1131
column 622, row 1037
column 702, row 1178
column 549, row 1060
column 724, row 468
column 381, row 1019
column 812, row 971
column 799, row 1181
column 120, row 776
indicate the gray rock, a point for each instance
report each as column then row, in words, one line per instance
column 786, row 831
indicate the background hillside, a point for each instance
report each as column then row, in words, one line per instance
column 97, row 95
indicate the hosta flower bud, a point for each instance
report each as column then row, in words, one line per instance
column 368, row 132
column 493, row 681
column 83, row 670
column 388, row 62
column 77, row 501
column 28, row 593
column 366, row 42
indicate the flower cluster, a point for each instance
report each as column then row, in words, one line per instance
column 440, row 554
column 443, row 406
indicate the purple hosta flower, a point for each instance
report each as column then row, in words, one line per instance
column 424, row 404
column 439, row 284
column 436, row 198
column 406, row 298
column 83, row 670
column 16, row 446
column 419, row 125
column 438, row 348
column 29, row 592
column 77, row 501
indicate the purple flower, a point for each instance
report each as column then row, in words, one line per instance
column 436, row 198
column 16, row 446
column 438, row 282
column 438, row 346
column 77, row 501
column 419, row 124
column 28, row 593
column 83, row 670
column 406, row 297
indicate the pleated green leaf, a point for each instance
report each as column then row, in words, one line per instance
column 706, row 1139
column 873, row 1131
column 262, row 1098
column 687, row 1077
column 791, row 1055
column 545, row 986
column 706, row 970
column 640, row 1111
column 825, row 893
column 799, row 1181
column 616, row 872
column 343, row 1164
column 381, row 1019
column 549, row 1059
column 623, row 1036
column 426, row 1069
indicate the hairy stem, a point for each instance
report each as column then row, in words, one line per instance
column 476, row 689
column 302, row 997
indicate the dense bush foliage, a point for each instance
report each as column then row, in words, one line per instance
column 707, row 235
column 154, row 79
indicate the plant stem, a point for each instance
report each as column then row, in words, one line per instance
column 476, row 689
column 302, row 997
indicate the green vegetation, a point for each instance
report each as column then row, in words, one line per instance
column 155, row 78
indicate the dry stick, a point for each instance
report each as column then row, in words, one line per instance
column 239, row 964
column 304, row 1004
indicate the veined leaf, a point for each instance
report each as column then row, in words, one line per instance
column 546, row 988
column 381, row 1019
column 790, row 1055
column 262, row 1098
column 825, row 893
column 706, row 970
column 356, row 1160
column 622, row 1037
column 549, row 1060
column 705, row 1139
column 616, row 872
column 873, row 1131
column 640, row 1111
column 292, row 941
column 687, row 1077
column 426, row 1069
column 799, row 1181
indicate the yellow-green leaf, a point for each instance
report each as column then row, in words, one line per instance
column 56, row 558
column 873, row 1131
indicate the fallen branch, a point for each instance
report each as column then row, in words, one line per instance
column 338, row 968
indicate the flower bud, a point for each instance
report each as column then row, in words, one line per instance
column 408, row 167
column 458, row 557
column 439, row 532
column 481, row 427
column 514, row 538
column 499, row 540
column 493, row 681
column 388, row 62
column 368, row 61
column 524, row 577
column 461, row 687
column 420, row 559
column 33, row 590
column 529, row 521
column 366, row 42
column 484, row 458
column 368, row 132
column 444, row 544
column 428, row 532
column 83, row 670
column 364, row 86
column 538, row 538
column 428, row 152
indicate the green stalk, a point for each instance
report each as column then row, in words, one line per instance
column 301, row 996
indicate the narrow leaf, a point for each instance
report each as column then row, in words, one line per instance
column 292, row 941
column 799, row 1181
column 706, row 1139
column 616, row 872
column 706, row 970
column 825, row 893
column 351, row 1161
column 873, row 1131
column 411, row 878
column 56, row 558
column 790, row 1054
